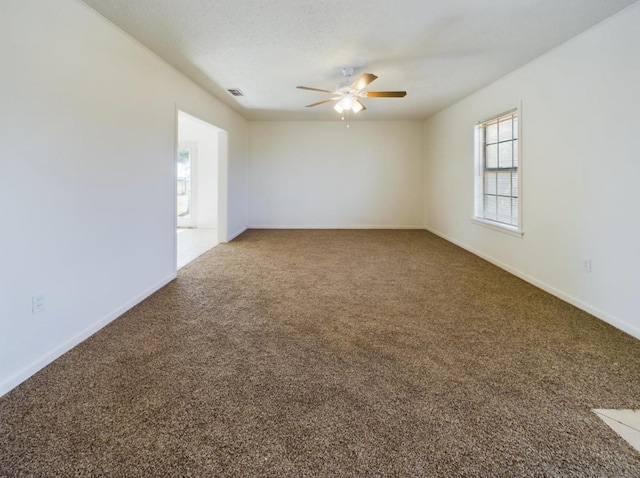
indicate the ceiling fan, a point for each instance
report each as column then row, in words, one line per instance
column 348, row 96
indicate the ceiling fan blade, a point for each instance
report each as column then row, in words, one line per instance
column 360, row 103
column 363, row 81
column 385, row 94
column 322, row 102
column 315, row 89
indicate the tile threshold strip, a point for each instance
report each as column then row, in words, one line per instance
column 598, row 412
column 623, row 422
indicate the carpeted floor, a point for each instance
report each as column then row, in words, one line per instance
column 332, row 353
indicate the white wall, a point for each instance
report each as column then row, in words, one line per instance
column 87, row 145
column 580, row 119
column 322, row 174
column 205, row 136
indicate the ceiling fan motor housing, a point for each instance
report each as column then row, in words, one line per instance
column 347, row 71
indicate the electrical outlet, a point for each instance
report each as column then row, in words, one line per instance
column 586, row 264
column 37, row 304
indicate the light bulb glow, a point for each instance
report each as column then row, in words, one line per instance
column 347, row 102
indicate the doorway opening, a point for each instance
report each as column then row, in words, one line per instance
column 200, row 187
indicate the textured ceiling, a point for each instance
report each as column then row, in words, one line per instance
column 437, row 50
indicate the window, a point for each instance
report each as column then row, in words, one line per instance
column 497, row 175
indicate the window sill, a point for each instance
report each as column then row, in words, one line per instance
column 496, row 226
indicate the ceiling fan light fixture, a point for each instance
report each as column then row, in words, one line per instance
column 347, row 103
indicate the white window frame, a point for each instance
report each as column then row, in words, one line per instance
column 479, row 215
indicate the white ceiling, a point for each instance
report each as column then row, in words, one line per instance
column 437, row 50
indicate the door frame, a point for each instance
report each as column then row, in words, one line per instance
column 192, row 220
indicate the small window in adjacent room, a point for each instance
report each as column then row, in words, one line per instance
column 497, row 201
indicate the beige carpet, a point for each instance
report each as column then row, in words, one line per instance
column 332, row 353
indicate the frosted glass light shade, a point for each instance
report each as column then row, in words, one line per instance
column 347, row 103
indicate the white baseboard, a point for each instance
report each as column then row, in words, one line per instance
column 308, row 226
column 615, row 322
column 61, row 349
